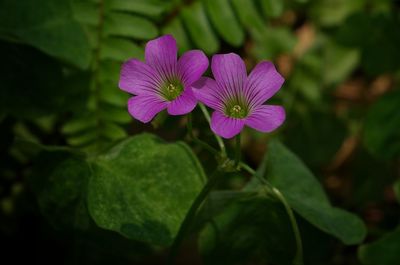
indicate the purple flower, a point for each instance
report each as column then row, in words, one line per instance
column 163, row 81
column 237, row 98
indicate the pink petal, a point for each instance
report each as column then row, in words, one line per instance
column 138, row 78
column 183, row 104
column 266, row 118
column 263, row 82
column 229, row 71
column 161, row 55
column 224, row 126
column 145, row 107
column 192, row 66
column 206, row 90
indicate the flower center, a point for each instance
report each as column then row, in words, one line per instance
column 172, row 90
column 236, row 111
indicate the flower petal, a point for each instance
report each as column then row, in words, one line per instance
column 161, row 55
column 191, row 66
column 183, row 104
column 138, row 78
column 266, row 118
column 206, row 91
column 229, row 71
column 225, row 127
column 145, row 107
column 263, row 82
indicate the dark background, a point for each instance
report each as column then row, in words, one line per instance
column 59, row 69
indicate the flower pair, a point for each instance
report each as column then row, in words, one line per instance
column 164, row 82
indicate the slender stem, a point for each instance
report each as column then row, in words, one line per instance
column 219, row 139
column 247, row 168
column 298, row 259
column 205, row 145
column 238, row 151
column 211, row 183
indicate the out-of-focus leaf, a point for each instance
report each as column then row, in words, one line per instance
column 224, row 20
column 367, row 32
column 316, row 137
column 143, row 188
column 306, row 196
column 32, row 84
column 176, row 29
column 143, row 7
column 273, row 42
column 114, row 114
column 199, row 28
column 77, row 125
column 381, row 129
column 108, row 95
column 86, row 12
column 249, row 16
column 339, row 62
column 385, row 251
column 113, row 132
column 254, row 229
column 127, row 25
column 60, row 181
column 120, row 50
column 369, row 182
column 333, row 12
column 272, row 8
column 47, row 25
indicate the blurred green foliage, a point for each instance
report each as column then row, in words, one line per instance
column 77, row 189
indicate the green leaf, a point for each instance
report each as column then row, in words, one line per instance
column 199, row 29
column 143, row 187
column 112, row 95
column 316, row 142
column 59, row 181
column 50, row 28
column 367, row 31
column 113, row 132
column 333, row 12
column 86, row 12
column 84, row 138
column 381, row 129
column 120, row 50
column 114, row 114
column 144, row 7
column 384, row 251
column 127, row 25
column 272, row 8
column 339, row 62
column 176, row 29
column 225, row 22
column 78, row 125
column 272, row 42
column 33, row 85
column 249, row 17
column 255, row 228
column 306, row 196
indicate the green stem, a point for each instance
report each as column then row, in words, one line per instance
column 197, row 140
column 211, row 183
column 247, row 168
column 238, row 151
column 219, row 139
column 298, row 259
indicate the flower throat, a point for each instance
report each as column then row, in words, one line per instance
column 172, row 90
